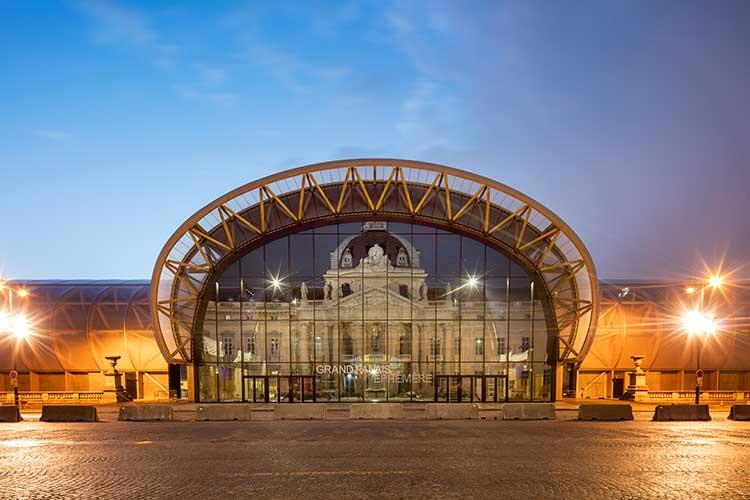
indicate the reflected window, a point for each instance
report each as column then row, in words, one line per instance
column 501, row 346
column 436, row 348
column 404, row 345
column 347, row 346
column 274, row 346
column 525, row 344
column 251, row 345
column 226, row 347
column 479, row 347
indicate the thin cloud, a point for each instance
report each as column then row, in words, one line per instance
column 116, row 24
column 196, row 94
column 289, row 70
column 52, row 135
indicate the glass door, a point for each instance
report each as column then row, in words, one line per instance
column 490, row 389
column 260, row 394
column 441, row 388
column 454, row 389
column 256, row 389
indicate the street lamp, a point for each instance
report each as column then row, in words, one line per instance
column 18, row 326
column 698, row 323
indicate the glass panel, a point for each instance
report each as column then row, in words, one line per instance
column 301, row 257
column 498, row 265
column 207, row 383
column 230, row 382
column 519, row 381
column 253, row 264
column 448, row 255
column 472, row 257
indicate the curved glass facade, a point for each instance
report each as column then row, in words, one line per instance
column 374, row 311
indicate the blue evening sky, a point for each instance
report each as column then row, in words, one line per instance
column 118, row 120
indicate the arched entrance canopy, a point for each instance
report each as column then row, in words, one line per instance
column 373, row 188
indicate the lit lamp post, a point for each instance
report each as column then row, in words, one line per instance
column 16, row 325
column 701, row 324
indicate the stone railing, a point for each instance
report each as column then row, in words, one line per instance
column 705, row 395
column 39, row 397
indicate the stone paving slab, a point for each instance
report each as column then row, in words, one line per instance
column 381, row 459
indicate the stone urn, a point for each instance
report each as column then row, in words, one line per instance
column 115, row 386
column 637, row 389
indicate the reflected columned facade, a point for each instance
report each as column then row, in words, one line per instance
column 374, row 311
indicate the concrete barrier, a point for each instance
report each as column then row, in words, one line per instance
column 146, row 413
column 220, row 412
column 529, row 411
column 414, row 411
column 263, row 413
column 338, row 411
column 605, row 412
column 452, row 411
column 300, row 411
column 375, row 411
column 10, row 414
column 681, row 412
column 490, row 411
column 71, row 413
column 739, row 412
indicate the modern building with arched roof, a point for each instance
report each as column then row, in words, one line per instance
column 374, row 280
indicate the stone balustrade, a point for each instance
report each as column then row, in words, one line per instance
column 705, row 395
column 40, row 397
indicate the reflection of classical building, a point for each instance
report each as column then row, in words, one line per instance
column 370, row 280
column 377, row 313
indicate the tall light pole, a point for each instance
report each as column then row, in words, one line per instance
column 698, row 322
column 17, row 325
column 701, row 324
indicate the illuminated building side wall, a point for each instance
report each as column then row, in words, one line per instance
column 651, row 327
column 75, row 325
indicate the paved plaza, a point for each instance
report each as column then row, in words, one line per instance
column 376, row 459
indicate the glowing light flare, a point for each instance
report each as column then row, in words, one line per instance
column 20, row 326
column 23, row 293
column 690, row 290
column 471, row 282
column 276, row 282
column 699, row 323
column 17, row 325
column 716, row 281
